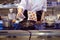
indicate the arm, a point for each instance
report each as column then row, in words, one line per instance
column 21, row 7
column 44, row 8
column 43, row 15
column 20, row 10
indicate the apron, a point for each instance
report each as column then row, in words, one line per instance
column 35, row 16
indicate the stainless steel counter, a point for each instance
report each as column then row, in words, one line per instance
column 28, row 32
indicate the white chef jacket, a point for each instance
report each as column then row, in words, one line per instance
column 33, row 5
column 12, row 16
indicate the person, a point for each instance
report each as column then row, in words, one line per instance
column 38, row 6
column 11, row 17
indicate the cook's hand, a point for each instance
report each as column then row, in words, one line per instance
column 14, row 21
column 42, row 19
column 20, row 15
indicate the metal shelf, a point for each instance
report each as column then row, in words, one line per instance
column 8, row 6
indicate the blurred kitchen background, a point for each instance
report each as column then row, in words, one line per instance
column 52, row 15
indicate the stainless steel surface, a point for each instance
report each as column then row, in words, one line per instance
column 46, row 33
column 27, row 33
column 36, row 35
